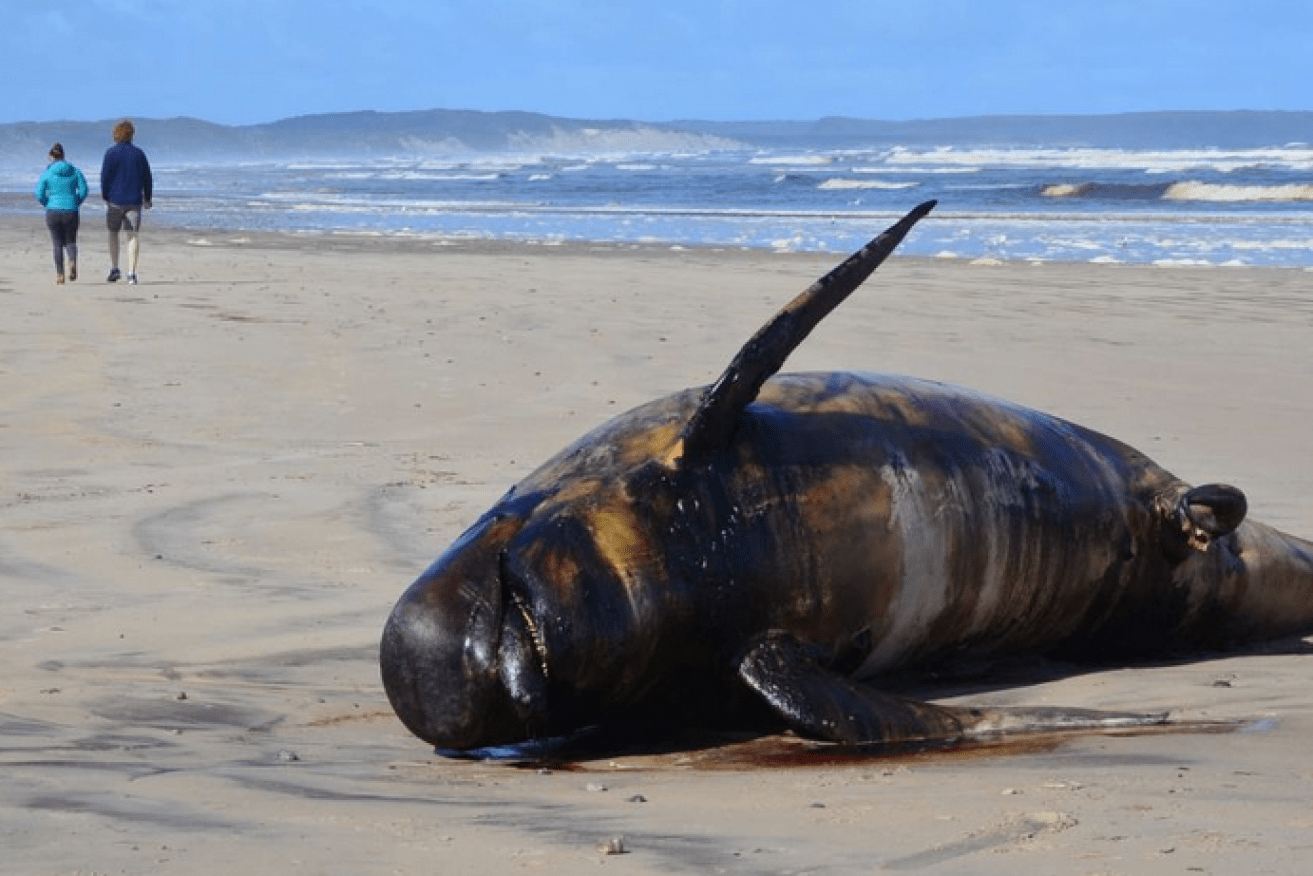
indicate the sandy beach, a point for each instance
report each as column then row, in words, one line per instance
column 216, row 483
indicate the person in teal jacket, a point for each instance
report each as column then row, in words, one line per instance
column 61, row 190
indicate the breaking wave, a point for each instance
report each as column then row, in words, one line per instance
column 1200, row 191
column 1107, row 191
column 1186, row 190
column 1295, row 158
column 839, row 183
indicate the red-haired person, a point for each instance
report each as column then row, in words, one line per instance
column 126, row 186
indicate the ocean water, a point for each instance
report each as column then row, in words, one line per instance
column 1216, row 207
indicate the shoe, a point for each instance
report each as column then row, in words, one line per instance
column 113, row 276
column 59, row 279
column 132, row 279
column 72, row 272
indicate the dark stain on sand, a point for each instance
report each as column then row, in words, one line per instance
column 785, row 751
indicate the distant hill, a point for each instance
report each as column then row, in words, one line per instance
column 453, row 132
column 1157, row 130
column 357, row 134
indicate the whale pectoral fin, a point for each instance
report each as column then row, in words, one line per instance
column 1215, row 508
column 820, row 704
column 1209, row 512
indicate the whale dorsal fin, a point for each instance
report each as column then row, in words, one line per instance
column 713, row 424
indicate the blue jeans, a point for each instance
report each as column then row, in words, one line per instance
column 63, row 225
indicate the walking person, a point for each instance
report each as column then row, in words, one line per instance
column 126, row 186
column 61, row 190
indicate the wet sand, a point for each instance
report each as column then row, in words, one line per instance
column 216, row 483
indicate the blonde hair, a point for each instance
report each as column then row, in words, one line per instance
column 124, row 132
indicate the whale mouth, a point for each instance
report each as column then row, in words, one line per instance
column 515, row 595
column 536, row 643
column 522, row 655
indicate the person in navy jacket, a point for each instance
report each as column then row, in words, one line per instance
column 126, row 186
column 61, row 190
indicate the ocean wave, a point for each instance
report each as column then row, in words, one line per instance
column 434, row 176
column 1201, row 191
column 928, row 170
column 1107, row 191
column 793, row 160
column 1299, row 244
column 1184, row 190
column 321, row 165
column 1297, row 157
column 840, row 183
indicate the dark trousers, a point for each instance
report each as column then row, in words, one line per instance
column 63, row 225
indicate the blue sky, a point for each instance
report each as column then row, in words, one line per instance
column 247, row 61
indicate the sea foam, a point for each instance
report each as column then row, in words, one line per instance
column 1201, row 191
column 839, row 183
